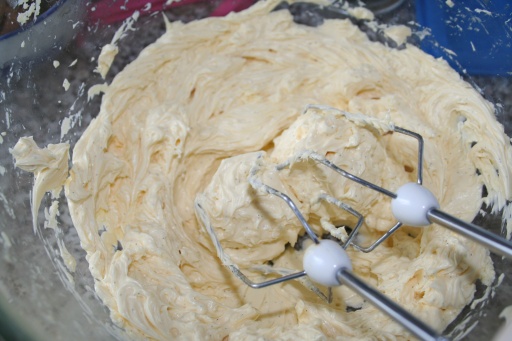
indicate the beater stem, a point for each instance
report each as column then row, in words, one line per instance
column 350, row 176
column 419, row 138
column 265, row 284
column 393, row 310
column 490, row 240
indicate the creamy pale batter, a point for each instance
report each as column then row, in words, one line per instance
column 188, row 118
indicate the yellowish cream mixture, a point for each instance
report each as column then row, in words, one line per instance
column 187, row 120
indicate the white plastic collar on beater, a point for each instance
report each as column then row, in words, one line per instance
column 412, row 203
column 323, row 261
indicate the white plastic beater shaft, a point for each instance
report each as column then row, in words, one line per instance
column 324, row 260
column 327, row 263
column 412, row 203
column 393, row 310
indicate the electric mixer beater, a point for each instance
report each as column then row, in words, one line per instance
column 326, row 261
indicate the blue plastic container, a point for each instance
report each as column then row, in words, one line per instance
column 479, row 32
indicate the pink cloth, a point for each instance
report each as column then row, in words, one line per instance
column 227, row 6
column 108, row 11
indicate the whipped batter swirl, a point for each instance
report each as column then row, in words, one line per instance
column 185, row 120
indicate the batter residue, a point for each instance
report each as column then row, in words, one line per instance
column 187, row 119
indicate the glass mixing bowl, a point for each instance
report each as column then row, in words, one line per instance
column 38, row 301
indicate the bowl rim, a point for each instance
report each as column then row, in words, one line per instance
column 33, row 23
